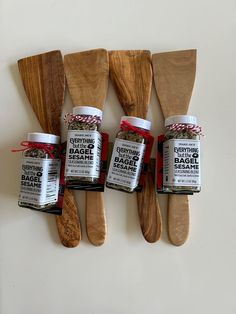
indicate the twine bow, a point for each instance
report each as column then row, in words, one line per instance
column 126, row 126
column 48, row 148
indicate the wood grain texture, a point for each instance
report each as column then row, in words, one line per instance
column 95, row 218
column 174, row 76
column 178, row 219
column 131, row 75
column 44, row 83
column 43, row 79
column 87, row 76
column 149, row 211
column 68, row 223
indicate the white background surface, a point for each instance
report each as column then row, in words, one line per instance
column 126, row 275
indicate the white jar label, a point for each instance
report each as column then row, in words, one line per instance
column 39, row 181
column 126, row 163
column 83, row 154
column 181, row 163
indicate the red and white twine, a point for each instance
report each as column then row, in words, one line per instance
column 195, row 129
column 69, row 118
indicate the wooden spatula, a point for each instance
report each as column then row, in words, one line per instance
column 131, row 75
column 87, row 77
column 44, row 83
column 174, row 76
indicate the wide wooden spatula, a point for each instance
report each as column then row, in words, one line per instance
column 44, row 83
column 87, row 75
column 174, row 76
column 131, row 75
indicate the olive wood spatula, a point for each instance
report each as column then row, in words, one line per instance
column 87, row 76
column 44, row 83
column 131, row 75
column 174, row 76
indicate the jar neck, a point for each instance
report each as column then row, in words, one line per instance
column 48, row 148
column 182, row 131
column 81, row 118
column 128, row 127
column 184, row 127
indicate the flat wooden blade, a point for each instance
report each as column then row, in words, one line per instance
column 87, row 77
column 44, row 82
column 174, row 76
column 131, row 75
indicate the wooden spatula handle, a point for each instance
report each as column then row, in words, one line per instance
column 149, row 211
column 95, row 218
column 178, row 219
column 68, row 224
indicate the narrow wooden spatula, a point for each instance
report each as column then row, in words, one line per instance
column 87, row 77
column 174, row 76
column 131, row 75
column 44, row 83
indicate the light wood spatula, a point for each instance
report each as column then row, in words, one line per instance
column 44, row 83
column 174, row 76
column 131, row 75
column 87, row 76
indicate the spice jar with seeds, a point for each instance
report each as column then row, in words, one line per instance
column 83, row 154
column 181, row 155
column 40, row 172
column 128, row 153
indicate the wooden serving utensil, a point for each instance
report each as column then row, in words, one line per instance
column 131, row 75
column 44, row 83
column 87, row 75
column 174, row 76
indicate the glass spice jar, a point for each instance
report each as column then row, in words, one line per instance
column 40, row 174
column 128, row 153
column 181, row 155
column 83, row 154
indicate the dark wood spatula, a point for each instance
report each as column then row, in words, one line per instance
column 87, row 77
column 131, row 75
column 44, row 83
column 174, row 76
